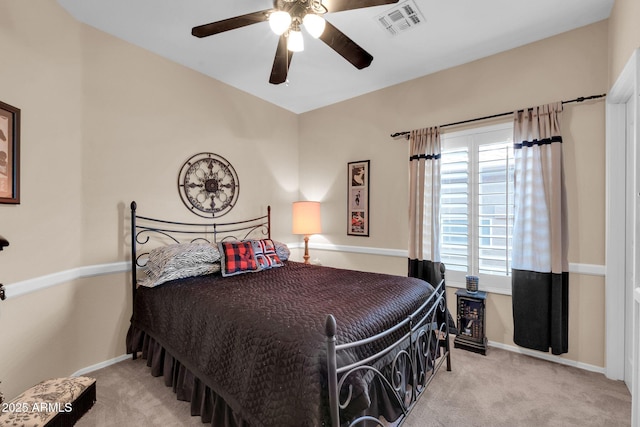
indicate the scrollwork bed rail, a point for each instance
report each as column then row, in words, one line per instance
column 417, row 356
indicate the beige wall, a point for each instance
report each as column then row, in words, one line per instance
column 624, row 35
column 563, row 67
column 41, row 75
column 145, row 116
column 59, row 330
column 104, row 123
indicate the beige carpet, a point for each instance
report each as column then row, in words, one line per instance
column 500, row 389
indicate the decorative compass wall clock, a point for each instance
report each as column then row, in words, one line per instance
column 208, row 185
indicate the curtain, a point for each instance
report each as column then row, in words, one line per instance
column 424, row 205
column 540, row 278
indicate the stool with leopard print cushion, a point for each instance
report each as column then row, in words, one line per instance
column 58, row 402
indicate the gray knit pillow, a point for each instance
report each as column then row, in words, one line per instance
column 282, row 250
column 181, row 260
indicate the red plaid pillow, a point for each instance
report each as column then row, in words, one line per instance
column 237, row 258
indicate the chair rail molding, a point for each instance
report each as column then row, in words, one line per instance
column 37, row 283
column 42, row 282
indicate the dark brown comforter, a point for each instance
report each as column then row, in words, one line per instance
column 257, row 339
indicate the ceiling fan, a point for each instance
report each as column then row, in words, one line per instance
column 287, row 17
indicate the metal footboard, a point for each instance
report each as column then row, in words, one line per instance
column 422, row 347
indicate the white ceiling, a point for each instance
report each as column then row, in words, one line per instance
column 455, row 32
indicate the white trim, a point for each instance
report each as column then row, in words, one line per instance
column 102, row 269
column 38, row 283
column 101, row 365
column 588, row 269
column 483, row 287
column 506, row 124
column 622, row 91
column 576, row 268
column 400, row 253
column 548, row 357
column 470, row 141
column 615, row 238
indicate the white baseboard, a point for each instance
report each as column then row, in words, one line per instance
column 547, row 357
column 101, row 365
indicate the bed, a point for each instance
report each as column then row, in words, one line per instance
column 285, row 344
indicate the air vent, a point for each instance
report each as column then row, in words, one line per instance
column 401, row 18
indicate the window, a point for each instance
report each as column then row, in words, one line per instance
column 476, row 211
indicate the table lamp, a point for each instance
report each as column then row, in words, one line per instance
column 306, row 221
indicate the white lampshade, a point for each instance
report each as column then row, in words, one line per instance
column 306, row 218
column 279, row 22
column 314, row 24
column 295, row 43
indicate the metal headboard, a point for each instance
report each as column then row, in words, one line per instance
column 156, row 232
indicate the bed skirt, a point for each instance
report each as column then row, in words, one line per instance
column 210, row 406
column 205, row 403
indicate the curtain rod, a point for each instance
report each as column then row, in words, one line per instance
column 580, row 99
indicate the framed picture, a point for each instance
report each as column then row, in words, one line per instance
column 9, row 154
column 358, row 198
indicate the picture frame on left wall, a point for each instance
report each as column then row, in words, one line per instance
column 358, row 198
column 9, row 154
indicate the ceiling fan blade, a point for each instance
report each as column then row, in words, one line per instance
column 346, row 47
column 340, row 5
column 281, row 62
column 230, row 24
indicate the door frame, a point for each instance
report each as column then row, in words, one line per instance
column 625, row 89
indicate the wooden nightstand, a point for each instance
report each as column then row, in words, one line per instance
column 471, row 321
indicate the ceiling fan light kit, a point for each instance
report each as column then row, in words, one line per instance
column 314, row 24
column 296, row 42
column 285, row 20
column 299, row 13
column 279, row 21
